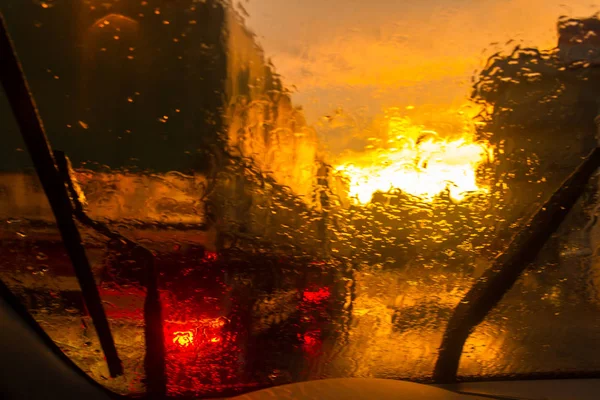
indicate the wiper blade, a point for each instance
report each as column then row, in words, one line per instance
column 31, row 127
column 154, row 362
column 506, row 269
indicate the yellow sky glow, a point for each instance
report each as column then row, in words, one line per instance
column 354, row 54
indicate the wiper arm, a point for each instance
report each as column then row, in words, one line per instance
column 506, row 269
column 32, row 130
column 154, row 363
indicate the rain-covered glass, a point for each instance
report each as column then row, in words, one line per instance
column 317, row 183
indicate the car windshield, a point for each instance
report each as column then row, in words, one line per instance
column 275, row 191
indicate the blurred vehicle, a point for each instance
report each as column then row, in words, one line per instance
column 224, row 312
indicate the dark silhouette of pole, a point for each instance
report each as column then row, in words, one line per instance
column 31, row 127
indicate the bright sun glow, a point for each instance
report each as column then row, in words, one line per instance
column 417, row 162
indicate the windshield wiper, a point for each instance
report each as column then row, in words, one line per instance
column 508, row 266
column 31, row 127
column 154, row 361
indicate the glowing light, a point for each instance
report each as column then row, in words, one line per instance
column 311, row 341
column 220, row 322
column 183, row 338
column 195, row 332
column 118, row 20
column 417, row 162
column 316, row 296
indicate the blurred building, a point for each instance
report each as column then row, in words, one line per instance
column 161, row 107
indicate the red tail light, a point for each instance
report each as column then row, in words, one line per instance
column 194, row 334
column 311, row 342
column 316, row 296
column 183, row 338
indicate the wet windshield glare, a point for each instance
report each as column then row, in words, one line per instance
column 317, row 183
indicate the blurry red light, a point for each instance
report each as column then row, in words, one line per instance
column 316, row 296
column 309, row 340
column 196, row 333
column 218, row 323
column 183, row 338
